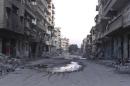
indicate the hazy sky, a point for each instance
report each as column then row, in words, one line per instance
column 75, row 17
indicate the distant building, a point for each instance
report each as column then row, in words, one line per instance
column 64, row 44
column 56, row 38
column 49, row 32
column 87, row 46
column 83, row 46
column 93, row 40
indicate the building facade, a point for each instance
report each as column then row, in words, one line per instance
column 25, row 27
column 87, row 47
column 64, row 44
column 83, row 46
column 50, row 46
column 57, row 37
column 112, row 30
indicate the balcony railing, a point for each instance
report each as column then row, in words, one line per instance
column 43, row 2
column 41, row 26
column 114, row 4
column 17, row 3
column 108, row 6
column 126, row 18
column 115, row 24
column 121, row 21
column 14, row 24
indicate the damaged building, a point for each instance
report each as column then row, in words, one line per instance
column 112, row 29
column 111, row 34
column 26, row 27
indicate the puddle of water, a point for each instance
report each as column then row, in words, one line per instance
column 73, row 66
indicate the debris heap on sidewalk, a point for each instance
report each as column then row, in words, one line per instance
column 8, row 64
column 124, row 69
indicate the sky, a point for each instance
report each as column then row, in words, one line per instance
column 75, row 17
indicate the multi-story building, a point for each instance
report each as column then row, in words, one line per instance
column 112, row 29
column 24, row 27
column 56, row 40
column 87, row 47
column 93, row 38
column 57, row 37
column 50, row 18
column 83, row 45
column 64, row 44
column 12, row 21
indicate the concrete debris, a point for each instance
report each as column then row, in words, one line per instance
column 124, row 69
column 8, row 64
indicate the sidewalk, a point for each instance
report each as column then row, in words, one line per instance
column 109, row 63
column 124, row 69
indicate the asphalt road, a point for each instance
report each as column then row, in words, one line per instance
column 92, row 75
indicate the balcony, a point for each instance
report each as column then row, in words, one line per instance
column 107, row 8
column 6, row 3
column 39, row 12
column 13, row 23
column 114, row 25
column 41, row 26
column 126, row 18
column 30, row 9
column 114, row 4
column 43, row 2
column 17, row 3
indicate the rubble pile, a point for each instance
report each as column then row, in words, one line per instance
column 8, row 64
column 124, row 69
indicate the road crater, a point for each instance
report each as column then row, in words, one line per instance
column 71, row 67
